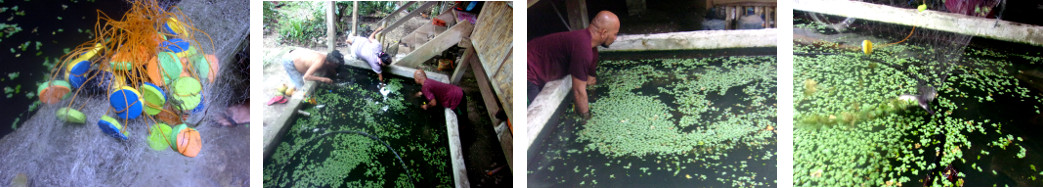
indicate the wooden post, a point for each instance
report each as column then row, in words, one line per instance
column 759, row 11
column 769, row 17
column 577, row 13
column 942, row 21
column 462, row 65
column 354, row 18
column 729, row 17
column 331, row 32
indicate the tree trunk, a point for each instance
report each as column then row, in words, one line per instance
column 340, row 16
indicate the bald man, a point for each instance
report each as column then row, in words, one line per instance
column 554, row 56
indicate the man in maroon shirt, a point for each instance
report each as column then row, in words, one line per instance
column 437, row 93
column 553, row 56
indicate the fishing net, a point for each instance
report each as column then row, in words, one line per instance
column 943, row 50
column 939, row 50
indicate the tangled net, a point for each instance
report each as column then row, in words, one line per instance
column 148, row 57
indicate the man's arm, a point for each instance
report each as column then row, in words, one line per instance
column 431, row 103
column 579, row 90
column 310, row 74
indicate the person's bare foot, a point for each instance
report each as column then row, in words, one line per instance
column 235, row 115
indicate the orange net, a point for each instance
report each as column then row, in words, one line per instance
column 125, row 47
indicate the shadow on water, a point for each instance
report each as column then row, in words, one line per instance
column 1019, row 119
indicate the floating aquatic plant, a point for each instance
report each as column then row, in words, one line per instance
column 669, row 117
column 880, row 145
column 326, row 162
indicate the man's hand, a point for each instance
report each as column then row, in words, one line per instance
column 326, row 80
column 592, row 80
column 423, row 106
column 586, row 116
column 418, row 94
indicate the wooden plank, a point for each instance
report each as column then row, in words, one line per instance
column 488, row 95
column 942, row 21
column 461, row 67
column 493, row 42
column 505, row 136
column 577, row 14
column 532, row 2
column 393, row 13
column 436, row 45
column 425, row 32
column 493, row 33
column 502, row 82
column 416, row 12
column 696, row 40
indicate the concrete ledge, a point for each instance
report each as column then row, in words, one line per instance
column 397, row 70
column 943, row 21
column 543, row 107
column 695, row 40
column 455, row 150
column 282, row 123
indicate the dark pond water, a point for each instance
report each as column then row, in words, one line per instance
column 558, row 159
column 354, row 103
column 47, row 30
column 1018, row 116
